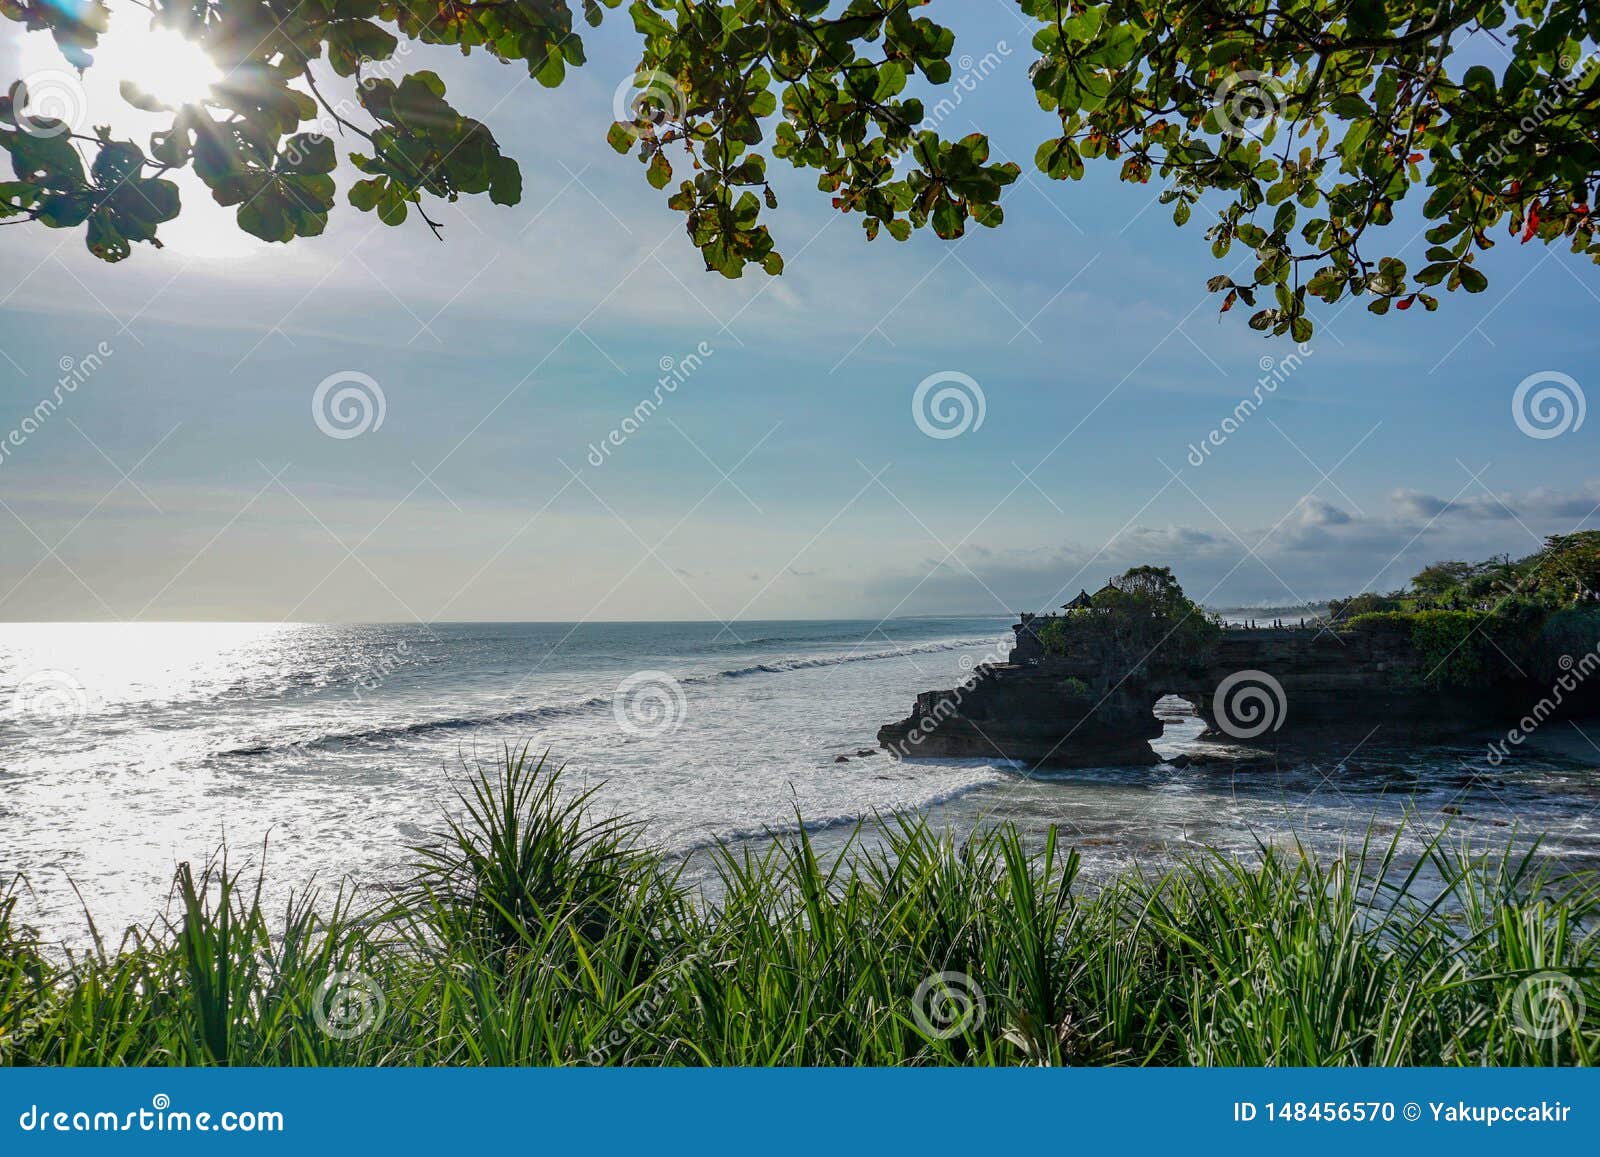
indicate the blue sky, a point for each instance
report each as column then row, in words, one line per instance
column 506, row 351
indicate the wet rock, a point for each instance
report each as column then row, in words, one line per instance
column 1033, row 714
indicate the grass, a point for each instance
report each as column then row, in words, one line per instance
column 534, row 933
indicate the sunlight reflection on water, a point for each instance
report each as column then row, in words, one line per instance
column 333, row 748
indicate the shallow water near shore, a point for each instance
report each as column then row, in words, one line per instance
column 334, row 747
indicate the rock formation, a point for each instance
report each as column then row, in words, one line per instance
column 1263, row 688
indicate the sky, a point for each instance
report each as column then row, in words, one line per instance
column 785, row 473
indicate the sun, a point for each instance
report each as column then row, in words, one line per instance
column 164, row 64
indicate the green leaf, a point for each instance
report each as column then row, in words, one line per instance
column 309, row 153
column 48, row 161
column 104, row 240
column 392, row 208
column 620, row 137
column 364, row 194
column 65, row 210
column 659, row 171
column 506, row 186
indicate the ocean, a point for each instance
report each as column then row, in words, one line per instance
column 328, row 750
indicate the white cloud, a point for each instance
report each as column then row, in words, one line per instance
column 1543, row 502
column 1316, row 512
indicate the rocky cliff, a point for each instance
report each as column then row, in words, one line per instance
column 1264, row 688
column 1030, row 713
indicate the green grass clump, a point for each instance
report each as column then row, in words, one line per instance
column 534, row 933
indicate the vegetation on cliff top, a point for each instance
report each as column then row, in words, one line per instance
column 534, row 934
column 1469, row 624
column 1141, row 617
column 1564, row 573
column 1477, row 623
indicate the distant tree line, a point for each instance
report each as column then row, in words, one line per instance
column 1473, row 624
column 1565, row 572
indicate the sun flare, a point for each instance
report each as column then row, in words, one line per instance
column 164, row 64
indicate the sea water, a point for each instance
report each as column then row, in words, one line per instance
column 329, row 750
